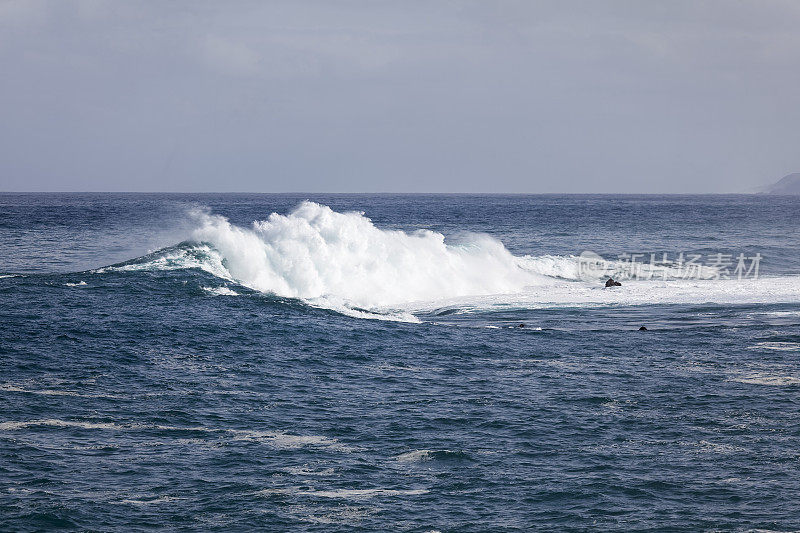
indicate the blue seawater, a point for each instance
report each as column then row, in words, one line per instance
column 355, row 363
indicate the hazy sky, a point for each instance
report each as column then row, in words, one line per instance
column 463, row 96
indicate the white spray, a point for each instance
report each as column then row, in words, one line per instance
column 315, row 252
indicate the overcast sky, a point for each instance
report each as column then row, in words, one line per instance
column 449, row 96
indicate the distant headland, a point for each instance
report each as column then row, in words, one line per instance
column 789, row 184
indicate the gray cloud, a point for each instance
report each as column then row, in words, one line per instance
column 566, row 96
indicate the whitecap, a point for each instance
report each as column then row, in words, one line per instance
column 715, row 447
column 361, row 493
column 350, row 494
column 150, row 501
column 780, row 313
column 220, row 291
column 418, row 456
column 778, row 346
column 304, row 471
column 288, row 441
column 199, row 256
column 415, row 456
column 10, row 387
column 277, row 439
column 775, row 380
column 337, row 305
column 12, row 425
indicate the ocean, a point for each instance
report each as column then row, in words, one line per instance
column 313, row 362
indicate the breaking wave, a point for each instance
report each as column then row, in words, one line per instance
column 342, row 261
column 315, row 252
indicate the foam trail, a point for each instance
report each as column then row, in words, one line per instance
column 562, row 293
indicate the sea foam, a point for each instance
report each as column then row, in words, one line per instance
column 315, row 252
column 344, row 262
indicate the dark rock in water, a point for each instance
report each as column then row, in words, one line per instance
column 521, row 326
column 642, row 328
column 612, row 283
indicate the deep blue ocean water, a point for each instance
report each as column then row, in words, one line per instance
column 166, row 364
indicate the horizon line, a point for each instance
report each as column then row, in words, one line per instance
column 419, row 193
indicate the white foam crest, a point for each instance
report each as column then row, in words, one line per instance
column 220, row 291
column 152, row 500
column 778, row 346
column 79, row 284
column 781, row 313
column 340, row 306
column 415, row 456
column 201, row 257
column 276, row 439
column 305, row 471
column 762, row 378
column 361, row 493
column 10, row 387
column 288, row 441
column 12, row 426
column 315, row 253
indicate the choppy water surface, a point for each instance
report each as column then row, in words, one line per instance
column 302, row 362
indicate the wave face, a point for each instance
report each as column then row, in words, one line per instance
column 317, row 253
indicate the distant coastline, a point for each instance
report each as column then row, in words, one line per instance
column 789, row 184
